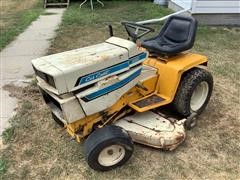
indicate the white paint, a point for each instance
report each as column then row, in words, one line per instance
column 199, row 96
column 106, row 101
column 67, row 67
column 153, row 130
column 70, row 109
column 16, row 58
column 208, row 6
column 129, row 45
column 111, row 155
column 161, row 2
column 223, row 6
column 185, row 4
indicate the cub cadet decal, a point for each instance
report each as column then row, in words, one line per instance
column 104, row 72
column 112, row 87
column 113, row 69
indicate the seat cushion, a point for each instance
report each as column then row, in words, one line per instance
column 177, row 35
column 159, row 47
column 177, row 31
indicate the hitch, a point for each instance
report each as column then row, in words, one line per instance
column 191, row 121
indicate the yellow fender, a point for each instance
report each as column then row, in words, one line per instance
column 169, row 75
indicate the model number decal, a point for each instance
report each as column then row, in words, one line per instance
column 94, row 76
column 102, row 73
column 112, row 87
column 113, row 69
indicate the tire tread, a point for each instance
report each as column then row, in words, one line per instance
column 190, row 80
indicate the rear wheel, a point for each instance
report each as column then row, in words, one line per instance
column 194, row 92
column 108, row 147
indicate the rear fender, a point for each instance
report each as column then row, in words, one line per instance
column 171, row 70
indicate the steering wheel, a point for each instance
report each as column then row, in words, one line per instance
column 136, row 31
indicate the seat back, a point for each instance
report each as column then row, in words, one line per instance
column 179, row 29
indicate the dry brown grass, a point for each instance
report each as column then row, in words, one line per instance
column 15, row 16
column 39, row 149
column 11, row 8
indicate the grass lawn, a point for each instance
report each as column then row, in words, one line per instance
column 15, row 16
column 36, row 148
column 83, row 27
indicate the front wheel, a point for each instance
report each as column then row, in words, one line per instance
column 194, row 92
column 108, row 147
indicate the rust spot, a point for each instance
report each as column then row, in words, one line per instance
column 179, row 137
column 104, row 57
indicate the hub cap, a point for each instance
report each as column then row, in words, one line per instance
column 111, row 155
column 199, row 96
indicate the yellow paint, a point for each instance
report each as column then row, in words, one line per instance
column 170, row 71
column 150, row 84
column 86, row 124
column 164, row 84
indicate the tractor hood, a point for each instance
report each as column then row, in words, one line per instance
column 63, row 71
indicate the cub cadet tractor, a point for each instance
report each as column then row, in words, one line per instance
column 110, row 93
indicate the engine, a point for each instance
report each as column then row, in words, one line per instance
column 84, row 81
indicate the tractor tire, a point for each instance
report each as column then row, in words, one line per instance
column 194, row 92
column 107, row 148
column 58, row 121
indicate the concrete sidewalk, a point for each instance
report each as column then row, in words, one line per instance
column 16, row 58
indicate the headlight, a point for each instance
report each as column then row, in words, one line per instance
column 49, row 79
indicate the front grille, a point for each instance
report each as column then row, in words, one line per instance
column 49, row 100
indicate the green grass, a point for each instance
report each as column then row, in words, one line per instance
column 221, row 45
column 19, row 21
column 3, row 166
column 112, row 13
column 82, row 27
column 8, row 134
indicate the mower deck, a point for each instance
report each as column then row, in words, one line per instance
column 154, row 130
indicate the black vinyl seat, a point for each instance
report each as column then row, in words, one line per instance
column 177, row 35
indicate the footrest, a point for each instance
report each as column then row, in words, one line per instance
column 149, row 102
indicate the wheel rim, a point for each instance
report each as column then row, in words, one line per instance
column 199, row 96
column 111, row 155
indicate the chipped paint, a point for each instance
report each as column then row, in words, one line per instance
column 154, row 130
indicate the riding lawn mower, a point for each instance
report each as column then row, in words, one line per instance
column 109, row 94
